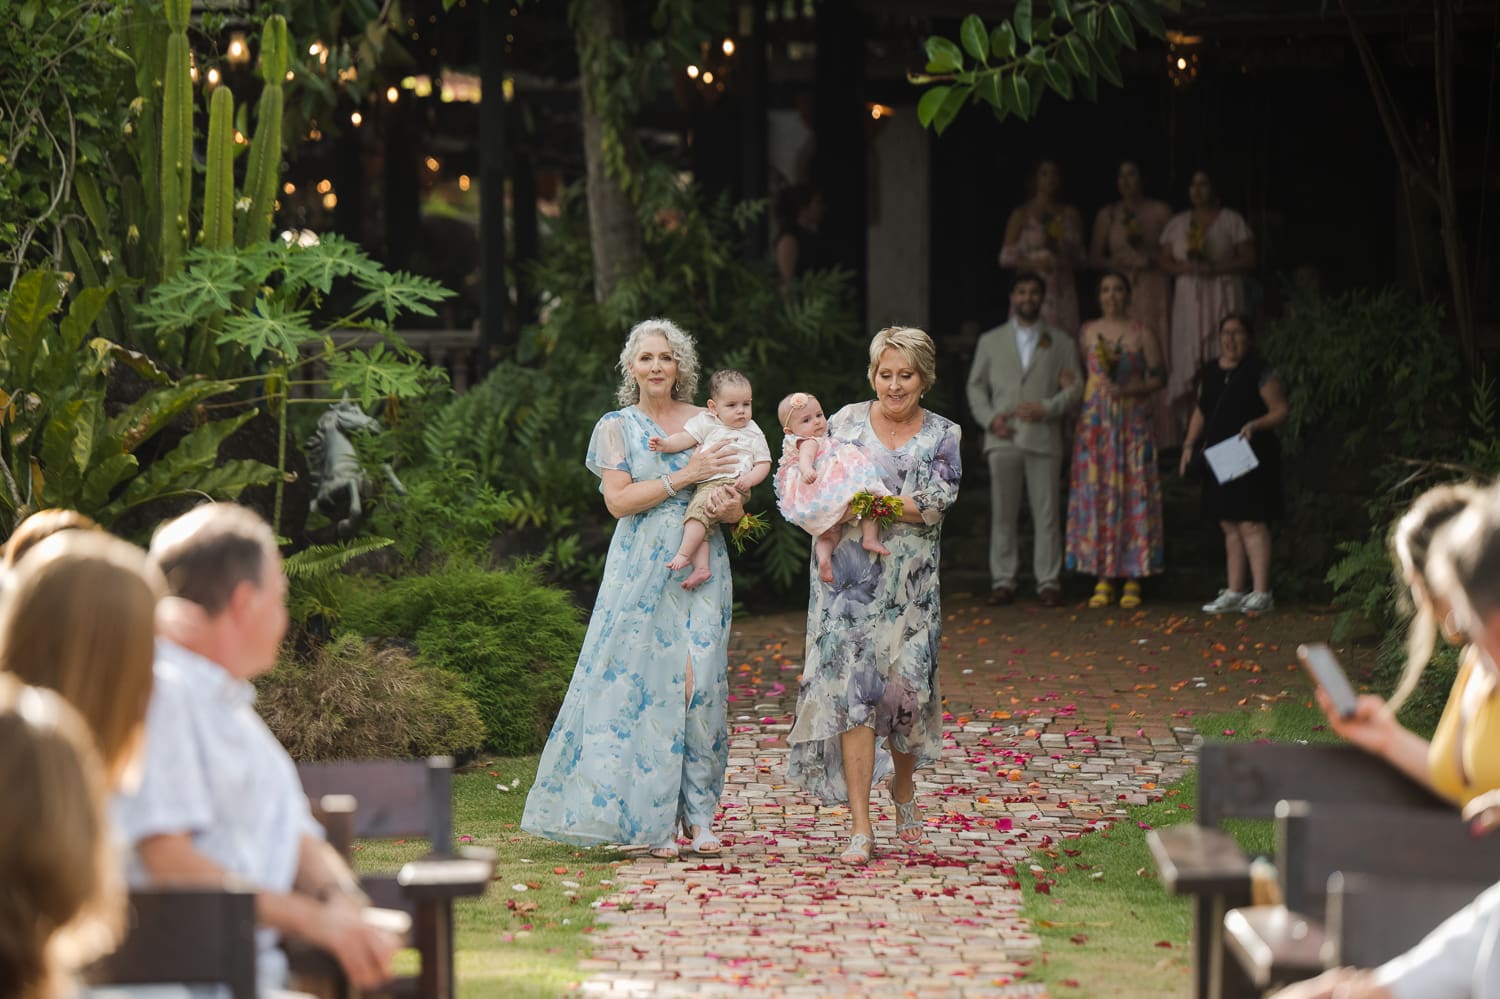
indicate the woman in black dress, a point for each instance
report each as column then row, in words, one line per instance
column 1240, row 394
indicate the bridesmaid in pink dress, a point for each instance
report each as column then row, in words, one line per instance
column 1207, row 248
column 1127, row 237
column 1046, row 236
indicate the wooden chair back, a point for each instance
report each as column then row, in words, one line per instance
column 392, row 799
column 1246, row 780
column 1316, row 839
column 185, row 936
column 1372, row 918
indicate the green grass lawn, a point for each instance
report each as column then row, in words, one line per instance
column 1108, row 928
column 524, row 937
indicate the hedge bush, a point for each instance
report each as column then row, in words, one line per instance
column 350, row 700
column 512, row 639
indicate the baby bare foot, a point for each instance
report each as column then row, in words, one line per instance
column 696, row 578
column 825, row 571
column 875, row 546
column 679, row 561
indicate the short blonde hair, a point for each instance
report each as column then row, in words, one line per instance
column 684, row 351
column 65, row 900
column 44, row 524
column 79, row 617
column 914, row 344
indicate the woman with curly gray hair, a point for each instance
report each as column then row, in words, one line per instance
column 641, row 743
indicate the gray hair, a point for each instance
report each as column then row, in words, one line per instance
column 683, row 350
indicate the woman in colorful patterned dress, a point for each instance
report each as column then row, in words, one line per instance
column 1208, row 249
column 869, row 683
column 1114, row 505
column 640, row 745
column 1045, row 235
column 1127, row 239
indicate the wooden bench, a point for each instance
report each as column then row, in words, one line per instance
column 1246, row 781
column 401, row 799
column 185, row 936
column 1371, row 918
column 1317, row 842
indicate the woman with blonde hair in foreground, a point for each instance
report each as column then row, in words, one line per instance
column 78, row 617
column 60, row 887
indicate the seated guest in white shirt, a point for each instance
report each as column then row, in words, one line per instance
column 219, row 796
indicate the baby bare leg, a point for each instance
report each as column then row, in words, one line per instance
column 870, row 535
column 700, row 573
column 693, row 533
column 824, row 548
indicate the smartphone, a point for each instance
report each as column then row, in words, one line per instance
column 1325, row 669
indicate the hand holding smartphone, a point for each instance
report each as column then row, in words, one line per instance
column 1324, row 666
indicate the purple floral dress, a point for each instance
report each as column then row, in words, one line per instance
column 873, row 634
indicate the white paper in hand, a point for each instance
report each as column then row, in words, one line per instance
column 1229, row 459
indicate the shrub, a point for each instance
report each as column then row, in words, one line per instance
column 351, row 700
column 512, row 639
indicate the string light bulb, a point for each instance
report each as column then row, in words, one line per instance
column 238, row 52
column 356, row 119
column 392, row 95
column 728, row 46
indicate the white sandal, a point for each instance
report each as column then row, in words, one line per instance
column 858, row 852
column 705, row 843
column 908, row 819
column 667, row 850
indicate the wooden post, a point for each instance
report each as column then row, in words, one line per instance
column 494, row 295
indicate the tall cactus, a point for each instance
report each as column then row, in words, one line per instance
column 176, row 138
column 264, row 169
column 218, row 190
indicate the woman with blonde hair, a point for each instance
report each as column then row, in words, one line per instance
column 1454, row 763
column 40, row 526
column 870, row 701
column 59, row 882
column 79, row 618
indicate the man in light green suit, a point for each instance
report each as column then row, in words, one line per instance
column 1024, row 381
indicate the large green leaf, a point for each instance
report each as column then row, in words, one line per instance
column 318, row 266
column 1077, row 52
column 1058, row 78
column 975, row 39
column 400, row 292
column 1022, row 20
column 272, row 327
column 1145, row 12
column 152, row 412
column 100, row 480
column 1104, row 58
column 87, row 305
column 1120, row 25
column 943, row 56
column 32, row 301
column 950, row 108
column 927, row 107
column 376, row 374
column 1003, row 40
column 185, row 467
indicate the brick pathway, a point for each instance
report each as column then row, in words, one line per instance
column 1030, row 697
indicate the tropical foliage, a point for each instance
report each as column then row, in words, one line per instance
column 1062, row 45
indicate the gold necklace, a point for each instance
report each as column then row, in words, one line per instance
column 895, row 426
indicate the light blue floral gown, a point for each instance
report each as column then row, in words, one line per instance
column 625, row 760
column 873, row 634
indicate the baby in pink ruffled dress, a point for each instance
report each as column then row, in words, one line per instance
column 819, row 477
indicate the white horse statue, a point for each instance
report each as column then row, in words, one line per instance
column 339, row 480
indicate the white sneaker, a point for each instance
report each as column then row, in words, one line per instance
column 1258, row 603
column 1227, row 602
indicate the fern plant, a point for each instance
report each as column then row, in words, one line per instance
column 313, row 576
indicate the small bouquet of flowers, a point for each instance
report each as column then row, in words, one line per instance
column 748, row 530
column 1135, row 236
column 1052, row 228
column 1195, row 239
column 1108, row 355
column 885, row 509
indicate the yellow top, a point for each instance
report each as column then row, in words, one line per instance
column 1463, row 760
